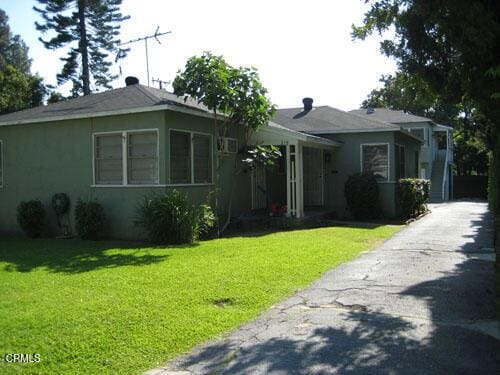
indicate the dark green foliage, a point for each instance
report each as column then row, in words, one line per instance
column 235, row 92
column 207, row 222
column 494, row 179
column 90, row 218
column 412, row 197
column 90, row 29
column 170, row 218
column 19, row 89
column 30, row 217
column 55, row 97
column 362, row 195
column 13, row 50
column 453, row 46
column 265, row 156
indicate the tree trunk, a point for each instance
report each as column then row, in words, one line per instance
column 217, row 173
column 83, row 46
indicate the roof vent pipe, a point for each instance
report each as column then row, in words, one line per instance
column 308, row 104
column 130, row 80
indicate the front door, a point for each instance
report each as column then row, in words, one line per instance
column 313, row 176
column 259, row 188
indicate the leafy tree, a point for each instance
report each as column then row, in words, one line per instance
column 90, row 29
column 235, row 96
column 453, row 46
column 13, row 50
column 19, row 89
column 55, row 97
column 410, row 93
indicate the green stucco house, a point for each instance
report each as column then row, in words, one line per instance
column 119, row 145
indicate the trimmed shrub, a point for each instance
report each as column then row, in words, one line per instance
column 412, row 196
column 362, row 196
column 30, row 217
column 89, row 216
column 169, row 218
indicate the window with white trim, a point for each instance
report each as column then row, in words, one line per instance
column 1, row 163
column 142, row 158
column 190, row 158
column 138, row 165
column 375, row 159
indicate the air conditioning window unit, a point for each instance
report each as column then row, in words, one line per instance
column 227, row 145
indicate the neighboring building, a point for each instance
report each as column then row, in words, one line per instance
column 120, row 145
column 367, row 145
column 436, row 153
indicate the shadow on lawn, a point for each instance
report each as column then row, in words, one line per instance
column 75, row 256
column 263, row 228
column 377, row 343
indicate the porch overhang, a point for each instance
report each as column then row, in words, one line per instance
column 443, row 128
column 294, row 143
column 275, row 134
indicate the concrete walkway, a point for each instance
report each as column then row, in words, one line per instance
column 422, row 303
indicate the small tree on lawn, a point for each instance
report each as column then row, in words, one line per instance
column 235, row 96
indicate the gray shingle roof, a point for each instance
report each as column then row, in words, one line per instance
column 325, row 119
column 125, row 98
column 390, row 115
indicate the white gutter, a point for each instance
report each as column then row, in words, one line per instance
column 444, row 127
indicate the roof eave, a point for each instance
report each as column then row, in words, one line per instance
column 161, row 107
column 342, row 131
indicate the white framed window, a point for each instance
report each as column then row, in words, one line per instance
column 127, row 158
column 190, row 158
column 375, row 159
column 1, row 164
column 227, row 145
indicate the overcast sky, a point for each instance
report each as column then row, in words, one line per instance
column 301, row 48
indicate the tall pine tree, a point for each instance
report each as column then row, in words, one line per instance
column 90, row 29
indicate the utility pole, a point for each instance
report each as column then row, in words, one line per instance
column 145, row 38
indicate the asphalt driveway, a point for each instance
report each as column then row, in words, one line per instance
column 422, row 303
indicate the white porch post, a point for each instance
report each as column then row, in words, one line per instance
column 288, row 183
column 294, row 189
column 299, row 173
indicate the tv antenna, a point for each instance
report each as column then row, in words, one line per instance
column 145, row 38
column 160, row 83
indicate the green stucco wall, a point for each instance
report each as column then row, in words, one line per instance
column 42, row 159
column 346, row 161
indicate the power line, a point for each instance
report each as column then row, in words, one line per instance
column 145, row 38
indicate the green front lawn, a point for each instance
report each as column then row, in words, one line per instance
column 116, row 307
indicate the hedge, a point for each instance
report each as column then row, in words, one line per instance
column 412, row 197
